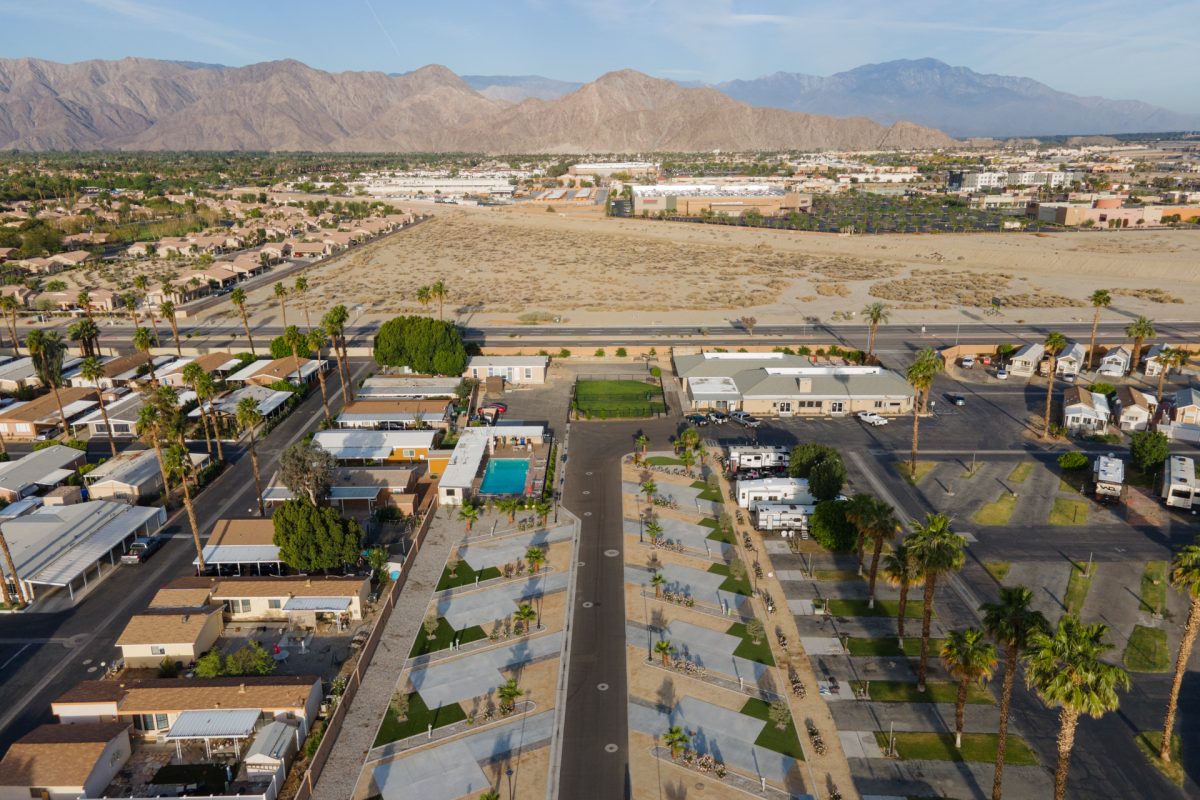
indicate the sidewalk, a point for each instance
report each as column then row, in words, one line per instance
column 341, row 772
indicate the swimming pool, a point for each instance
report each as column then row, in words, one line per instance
column 505, row 476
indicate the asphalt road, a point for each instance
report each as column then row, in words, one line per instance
column 44, row 655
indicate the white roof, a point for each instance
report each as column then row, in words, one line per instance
column 41, row 467
column 239, row 554
column 508, row 361
column 215, row 723
column 773, row 483
column 1109, row 469
column 272, row 742
column 249, row 370
column 371, row 443
column 317, row 604
column 123, row 410
column 705, row 189
column 464, row 462
column 132, row 468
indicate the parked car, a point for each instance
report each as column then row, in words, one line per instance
column 871, row 418
column 968, row 362
column 742, row 418
column 985, row 360
column 142, row 548
column 698, row 420
column 718, row 417
column 1002, row 374
column 501, row 407
column 957, row 399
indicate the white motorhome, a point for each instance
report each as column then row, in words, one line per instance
column 1179, row 482
column 1108, row 478
column 752, row 457
column 782, row 517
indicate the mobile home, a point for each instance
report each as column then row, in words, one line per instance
column 1108, row 478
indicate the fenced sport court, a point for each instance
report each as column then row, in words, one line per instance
column 611, row 397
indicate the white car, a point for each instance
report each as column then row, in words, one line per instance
column 1002, row 374
column 871, row 418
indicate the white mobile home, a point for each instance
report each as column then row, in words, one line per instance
column 1179, row 482
column 782, row 516
column 772, row 490
column 765, row 457
column 1025, row 361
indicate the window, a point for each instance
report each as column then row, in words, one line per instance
column 157, row 650
column 238, row 606
column 879, row 404
column 120, row 427
column 160, row 722
column 529, row 373
column 274, row 603
column 408, row 453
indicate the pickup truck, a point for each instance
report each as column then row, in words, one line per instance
column 742, row 418
column 142, row 548
column 871, row 418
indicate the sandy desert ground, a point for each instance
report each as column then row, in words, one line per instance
column 500, row 263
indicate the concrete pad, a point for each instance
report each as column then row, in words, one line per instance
column 489, row 605
column 822, row 645
column 510, row 737
column 507, row 550
column 791, row 575
column 801, row 607
column 440, row 773
column 776, row 546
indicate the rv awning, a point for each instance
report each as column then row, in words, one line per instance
column 215, row 723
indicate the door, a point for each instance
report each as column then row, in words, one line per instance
column 836, row 407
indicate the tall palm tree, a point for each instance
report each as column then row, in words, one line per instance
column 424, row 297
column 1010, row 622
column 1169, row 358
column 858, row 509
column 314, row 342
column 1101, row 299
column 688, row 459
column 437, row 291
column 1065, row 669
column 879, row 526
column 238, row 298
column 84, row 301
column 87, row 334
column 92, row 370
column 901, row 570
column 875, row 314
column 177, row 461
column 248, row 418
column 167, row 309
column 969, row 658
column 295, row 340
column 301, row 289
column 46, row 349
column 1185, row 576
column 206, row 390
column 920, row 379
column 931, row 362
column 281, row 294
column 1054, row 344
column 1139, row 330
column 334, row 323
column 150, row 428
column 129, row 300
column 143, row 340
column 663, row 648
column 142, row 284
column 939, row 551
column 191, row 377
column 9, row 305
column 17, row 595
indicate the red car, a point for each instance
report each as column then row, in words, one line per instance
column 501, row 407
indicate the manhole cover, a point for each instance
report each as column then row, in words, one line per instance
column 585, row 491
column 602, row 687
column 583, row 563
column 612, row 553
column 610, row 748
column 587, row 513
column 588, row 603
column 587, row 473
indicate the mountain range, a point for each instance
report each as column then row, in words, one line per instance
column 926, row 91
column 142, row 104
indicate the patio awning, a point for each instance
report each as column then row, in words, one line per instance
column 215, row 723
column 239, row 554
column 331, row 604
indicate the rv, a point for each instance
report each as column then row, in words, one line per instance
column 1179, row 482
column 743, row 457
column 783, row 517
column 1108, row 479
column 772, row 490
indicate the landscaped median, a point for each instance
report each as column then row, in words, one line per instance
column 843, row 607
column 784, row 741
column 890, row 647
column 975, row 747
column 1147, row 650
column 906, row 692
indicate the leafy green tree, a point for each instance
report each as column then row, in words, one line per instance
column 826, row 479
column 1148, row 450
column 311, row 538
column 1072, row 461
column 307, row 471
column 755, row 630
column 426, row 345
column 830, row 527
column 87, row 334
column 806, row 456
column 210, row 665
column 251, row 659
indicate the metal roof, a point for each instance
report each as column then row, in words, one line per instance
column 317, row 604
column 239, row 554
column 64, row 541
column 39, row 467
column 273, row 741
column 215, row 723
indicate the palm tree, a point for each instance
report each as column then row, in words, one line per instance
column 663, row 648
column 206, row 390
column 87, row 334
column 490, row 794
column 509, row 692
column 1010, row 622
column 688, row 459
column 879, row 526
column 1168, row 358
column 858, row 507
column 1101, row 299
column 524, row 615
column 177, row 461
column 649, row 488
column 423, row 296
column 901, row 570
column 314, row 342
column 301, row 288
column 931, row 362
column 542, row 508
column 84, row 301
column 509, row 506
column 248, row 418
column 1185, row 576
column 676, row 740
column 295, row 340
column 658, row 581
column 9, row 305
column 167, row 309
column 129, row 300
column 281, row 294
column 641, row 442
column 1054, row 344
column 238, row 298
column 437, row 291
column 191, row 377
column 150, row 427
column 46, row 349
column 875, row 314
column 334, row 323
column 18, row 593
column 654, row 531
column 535, row 557
column 143, row 340
column 142, row 283
column 92, row 371
column 1065, row 669
column 468, row 514
column 1139, row 330
column 969, row 658
column 920, row 379
column 938, row 550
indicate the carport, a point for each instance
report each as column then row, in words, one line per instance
column 222, row 724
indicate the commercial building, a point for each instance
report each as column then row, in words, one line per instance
column 693, row 200
column 385, row 186
column 607, row 169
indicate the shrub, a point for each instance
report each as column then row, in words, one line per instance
column 830, row 528
column 168, row 668
column 822, row 466
column 1103, row 388
column 1148, row 450
column 564, row 353
column 1073, row 461
column 599, row 352
column 656, row 372
column 621, row 352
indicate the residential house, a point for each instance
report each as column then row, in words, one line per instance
column 121, row 407
column 309, row 249
column 370, row 446
column 28, row 421
column 188, row 591
column 1027, row 360
column 265, row 372
column 1134, row 409
column 269, row 401
column 41, row 266
column 276, row 251
column 120, row 371
column 38, row 471
column 518, row 370
column 396, row 414
column 1115, row 362
column 218, row 364
column 65, row 762
column 239, row 545
column 388, row 387
column 1185, row 407
column 21, row 292
column 1085, row 412
column 302, row 600
column 1072, row 358
column 359, row 490
column 181, row 635
column 72, row 258
column 1152, row 365
column 131, row 476
column 215, row 277
column 103, row 301
column 17, row 374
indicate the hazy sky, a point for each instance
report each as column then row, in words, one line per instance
column 1114, row 48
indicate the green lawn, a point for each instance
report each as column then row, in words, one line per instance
column 442, row 638
column 923, row 469
column 663, row 461
column 1068, row 512
column 997, row 569
column 835, row 575
column 890, row 647
column 1154, row 587
column 935, row 691
column 998, row 512
column 464, row 576
column 1147, row 650
column 1021, row 472
column 707, row 492
column 781, row 741
column 1149, row 742
column 975, row 747
column 760, row 652
column 619, row 398
column 731, row 584
column 718, row 534
column 1073, row 481
column 1077, row 588
column 418, row 720
column 883, row 608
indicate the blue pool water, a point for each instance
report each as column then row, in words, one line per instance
column 504, row 476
